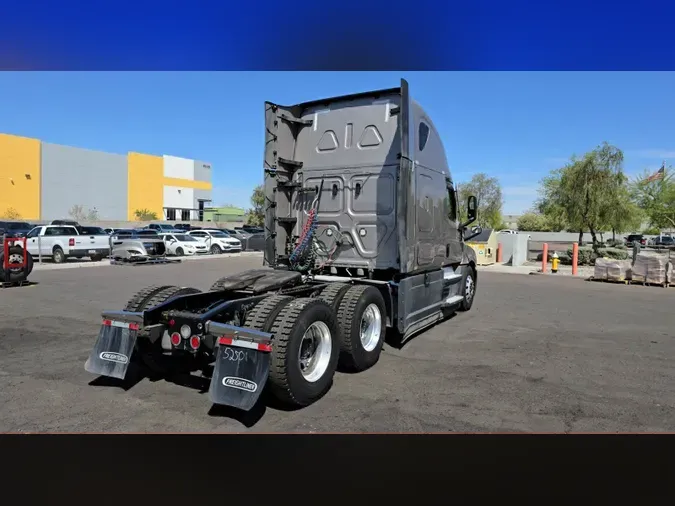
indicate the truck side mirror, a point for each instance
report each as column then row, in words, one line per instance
column 472, row 206
column 471, row 211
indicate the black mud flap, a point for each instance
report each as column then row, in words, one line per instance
column 239, row 376
column 112, row 352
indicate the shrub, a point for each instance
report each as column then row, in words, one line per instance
column 565, row 259
column 613, row 253
column 651, row 231
column 587, row 255
column 11, row 214
column 145, row 215
column 614, row 243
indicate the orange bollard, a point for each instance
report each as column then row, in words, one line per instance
column 575, row 258
column 544, row 258
column 499, row 253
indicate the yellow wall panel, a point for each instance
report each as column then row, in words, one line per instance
column 20, row 176
column 146, row 184
column 187, row 183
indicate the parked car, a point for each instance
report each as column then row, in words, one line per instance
column 70, row 223
column 91, row 231
column 183, row 244
column 163, row 228
column 255, row 242
column 217, row 241
column 664, row 241
column 60, row 242
column 507, row 231
column 250, row 229
column 185, row 227
column 15, row 228
column 134, row 247
column 632, row 238
column 147, row 232
column 238, row 234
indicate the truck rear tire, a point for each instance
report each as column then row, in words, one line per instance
column 361, row 315
column 16, row 254
column 262, row 316
column 304, row 352
column 334, row 293
column 137, row 301
column 58, row 256
column 468, row 288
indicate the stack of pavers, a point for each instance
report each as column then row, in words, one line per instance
column 607, row 269
column 652, row 269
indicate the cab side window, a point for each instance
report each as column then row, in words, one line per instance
column 33, row 233
column 452, row 204
column 422, row 135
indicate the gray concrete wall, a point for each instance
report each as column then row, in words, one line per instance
column 201, row 195
column 92, row 179
column 203, row 171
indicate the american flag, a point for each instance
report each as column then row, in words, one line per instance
column 659, row 174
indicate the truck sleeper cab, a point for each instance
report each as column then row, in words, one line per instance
column 361, row 235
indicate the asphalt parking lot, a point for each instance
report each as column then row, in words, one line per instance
column 535, row 354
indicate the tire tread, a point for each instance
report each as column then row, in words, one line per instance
column 137, row 301
column 334, row 293
column 282, row 328
column 267, row 309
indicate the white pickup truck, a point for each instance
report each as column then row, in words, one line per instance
column 61, row 241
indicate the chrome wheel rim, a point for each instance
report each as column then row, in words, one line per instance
column 15, row 258
column 315, row 351
column 370, row 327
column 470, row 288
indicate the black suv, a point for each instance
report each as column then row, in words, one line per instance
column 15, row 228
column 636, row 238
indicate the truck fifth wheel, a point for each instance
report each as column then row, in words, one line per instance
column 361, row 235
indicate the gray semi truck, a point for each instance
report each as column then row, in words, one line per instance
column 362, row 236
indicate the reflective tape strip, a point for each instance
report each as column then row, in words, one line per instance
column 228, row 341
column 123, row 325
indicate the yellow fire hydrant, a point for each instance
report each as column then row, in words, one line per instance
column 555, row 260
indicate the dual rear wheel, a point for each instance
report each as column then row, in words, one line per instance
column 342, row 328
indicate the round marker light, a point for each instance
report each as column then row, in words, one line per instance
column 185, row 331
column 175, row 338
column 195, row 342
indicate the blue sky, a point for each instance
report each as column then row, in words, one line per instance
column 515, row 126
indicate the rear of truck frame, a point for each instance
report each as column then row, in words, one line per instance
column 361, row 236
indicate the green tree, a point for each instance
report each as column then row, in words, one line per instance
column 657, row 198
column 533, row 222
column 256, row 215
column 622, row 214
column 581, row 194
column 488, row 192
column 79, row 213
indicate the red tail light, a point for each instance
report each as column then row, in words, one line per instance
column 71, row 242
column 195, row 342
column 175, row 338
